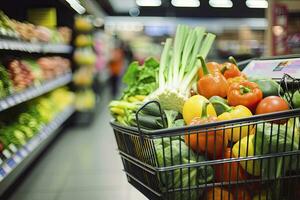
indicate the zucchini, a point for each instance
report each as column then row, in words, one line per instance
column 151, row 109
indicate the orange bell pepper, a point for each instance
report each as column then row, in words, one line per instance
column 213, row 67
column 245, row 93
column 211, row 84
column 237, row 79
column 230, row 69
column 212, row 142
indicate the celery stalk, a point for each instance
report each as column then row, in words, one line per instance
column 205, row 47
column 188, row 48
column 164, row 61
column 180, row 39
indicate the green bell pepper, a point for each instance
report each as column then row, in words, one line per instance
column 296, row 99
column 219, row 108
column 268, row 86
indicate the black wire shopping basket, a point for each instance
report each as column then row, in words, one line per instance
column 263, row 164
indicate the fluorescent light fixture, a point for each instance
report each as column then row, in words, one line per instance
column 185, row 3
column 221, row 3
column 75, row 4
column 151, row 3
column 257, row 3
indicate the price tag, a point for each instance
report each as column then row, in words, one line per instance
column 10, row 101
column 13, row 148
column 41, row 136
column 22, row 97
column 17, row 158
column 3, row 104
column 30, row 146
column 11, row 163
column 17, row 98
column 23, row 152
column 6, row 168
column 19, row 154
column 2, row 172
column 6, row 153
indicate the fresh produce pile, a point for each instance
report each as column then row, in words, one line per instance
column 194, row 92
column 85, row 100
column 19, row 74
column 85, row 56
column 53, row 66
column 84, row 76
column 30, row 32
column 26, row 121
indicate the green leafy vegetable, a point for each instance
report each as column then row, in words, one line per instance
column 141, row 80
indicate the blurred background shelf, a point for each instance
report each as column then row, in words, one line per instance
column 34, row 91
column 34, row 47
column 17, row 162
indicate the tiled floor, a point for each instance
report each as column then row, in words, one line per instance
column 82, row 164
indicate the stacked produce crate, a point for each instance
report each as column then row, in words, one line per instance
column 84, row 75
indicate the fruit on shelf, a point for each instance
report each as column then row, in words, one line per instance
column 85, row 56
column 83, row 40
column 30, row 32
column 20, row 74
column 83, row 76
column 85, row 100
column 5, row 82
column 42, row 34
column 83, row 23
column 19, row 128
column 66, row 34
column 5, row 28
column 53, row 66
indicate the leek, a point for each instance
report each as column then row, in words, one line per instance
column 179, row 66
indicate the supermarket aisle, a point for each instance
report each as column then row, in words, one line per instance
column 81, row 164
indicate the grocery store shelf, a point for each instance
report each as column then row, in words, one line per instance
column 34, row 91
column 16, row 163
column 34, row 47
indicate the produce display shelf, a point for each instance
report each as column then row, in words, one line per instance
column 16, row 162
column 34, row 91
column 34, row 47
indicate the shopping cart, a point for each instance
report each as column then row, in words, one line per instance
column 265, row 164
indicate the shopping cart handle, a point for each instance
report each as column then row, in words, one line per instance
column 137, row 117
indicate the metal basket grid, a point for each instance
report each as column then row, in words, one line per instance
column 160, row 164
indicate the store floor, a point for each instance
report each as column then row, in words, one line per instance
column 82, row 163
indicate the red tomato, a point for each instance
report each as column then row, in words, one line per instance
column 229, row 171
column 272, row 104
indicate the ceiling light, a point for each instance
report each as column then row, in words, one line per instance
column 134, row 12
column 122, row 6
column 257, row 3
column 75, row 4
column 221, row 3
column 152, row 3
column 186, row 3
